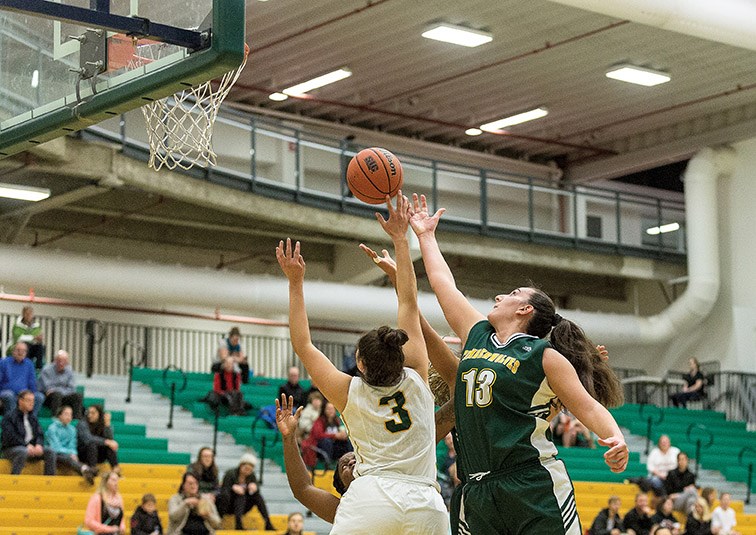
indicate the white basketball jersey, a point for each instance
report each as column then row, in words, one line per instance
column 392, row 428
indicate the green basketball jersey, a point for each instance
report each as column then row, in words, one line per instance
column 502, row 402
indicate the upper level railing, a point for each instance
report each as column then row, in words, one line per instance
column 273, row 158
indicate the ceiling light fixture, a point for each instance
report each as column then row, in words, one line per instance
column 457, row 35
column 669, row 227
column 23, row 193
column 35, row 79
column 515, row 119
column 320, row 81
column 473, row 131
column 278, row 97
column 638, row 75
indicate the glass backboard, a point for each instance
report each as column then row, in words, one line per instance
column 41, row 58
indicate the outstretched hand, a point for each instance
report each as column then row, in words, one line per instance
column 385, row 262
column 603, row 352
column 286, row 420
column 398, row 221
column 420, row 219
column 617, row 456
column 291, row 261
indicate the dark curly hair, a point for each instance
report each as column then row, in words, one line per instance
column 380, row 350
column 570, row 340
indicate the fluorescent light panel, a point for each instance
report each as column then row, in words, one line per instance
column 458, row 35
column 320, row 81
column 638, row 75
column 515, row 119
column 473, row 131
column 278, row 97
column 23, row 193
column 669, row 227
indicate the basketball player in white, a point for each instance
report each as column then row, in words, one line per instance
column 388, row 411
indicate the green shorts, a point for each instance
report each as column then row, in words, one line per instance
column 533, row 499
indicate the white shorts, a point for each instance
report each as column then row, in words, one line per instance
column 376, row 505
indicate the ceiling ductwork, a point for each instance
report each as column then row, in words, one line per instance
column 724, row 21
column 52, row 272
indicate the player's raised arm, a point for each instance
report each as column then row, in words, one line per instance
column 440, row 355
column 415, row 354
column 333, row 383
column 460, row 314
column 319, row 501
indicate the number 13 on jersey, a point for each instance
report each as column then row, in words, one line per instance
column 478, row 385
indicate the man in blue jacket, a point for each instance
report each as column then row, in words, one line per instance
column 17, row 374
column 22, row 438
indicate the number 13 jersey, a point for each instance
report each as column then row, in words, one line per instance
column 392, row 428
column 502, row 402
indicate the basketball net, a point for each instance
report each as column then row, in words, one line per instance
column 180, row 127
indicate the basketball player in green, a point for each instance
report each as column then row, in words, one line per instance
column 509, row 383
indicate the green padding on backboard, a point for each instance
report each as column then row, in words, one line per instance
column 225, row 54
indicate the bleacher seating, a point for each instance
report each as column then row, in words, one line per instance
column 32, row 504
column 260, row 391
column 721, row 440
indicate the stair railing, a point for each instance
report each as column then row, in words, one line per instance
column 699, row 445
column 749, row 479
column 168, row 368
column 133, row 355
column 650, row 422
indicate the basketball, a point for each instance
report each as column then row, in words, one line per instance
column 374, row 173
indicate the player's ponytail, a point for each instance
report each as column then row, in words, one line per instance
column 380, row 351
column 570, row 340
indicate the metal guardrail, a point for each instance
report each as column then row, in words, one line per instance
column 274, row 159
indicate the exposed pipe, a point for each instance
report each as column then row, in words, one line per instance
column 696, row 302
column 119, row 280
column 725, row 21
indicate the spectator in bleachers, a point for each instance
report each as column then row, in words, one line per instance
column 105, row 508
column 95, row 440
column 694, row 387
column 22, row 437
column 310, row 413
column 699, row 519
column 638, row 519
column 709, row 494
column 56, row 382
column 227, row 389
column 295, row 524
column 577, row 435
column 61, row 438
column 145, row 520
column 27, row 329
column 680, row 485
column 664, row 518
column 661, row 460
column 206, row 472
column 608, row 521
column 230, row 346
column 239, row 492
column 189, row 513
column 723, row 520
column 293, row 388
column 16, row 375
column 328, row 434
column 559, row 424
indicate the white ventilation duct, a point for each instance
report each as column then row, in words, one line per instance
column 118, row 280
column 732, row 22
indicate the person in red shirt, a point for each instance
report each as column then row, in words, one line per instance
column 226, row 390
column 328, row 437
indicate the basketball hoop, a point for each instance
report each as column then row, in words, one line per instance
column 180, row 127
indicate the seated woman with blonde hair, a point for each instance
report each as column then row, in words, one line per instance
column 105, row 508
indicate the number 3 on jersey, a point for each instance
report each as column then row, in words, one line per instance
column 399, row 411
column 478, row 386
